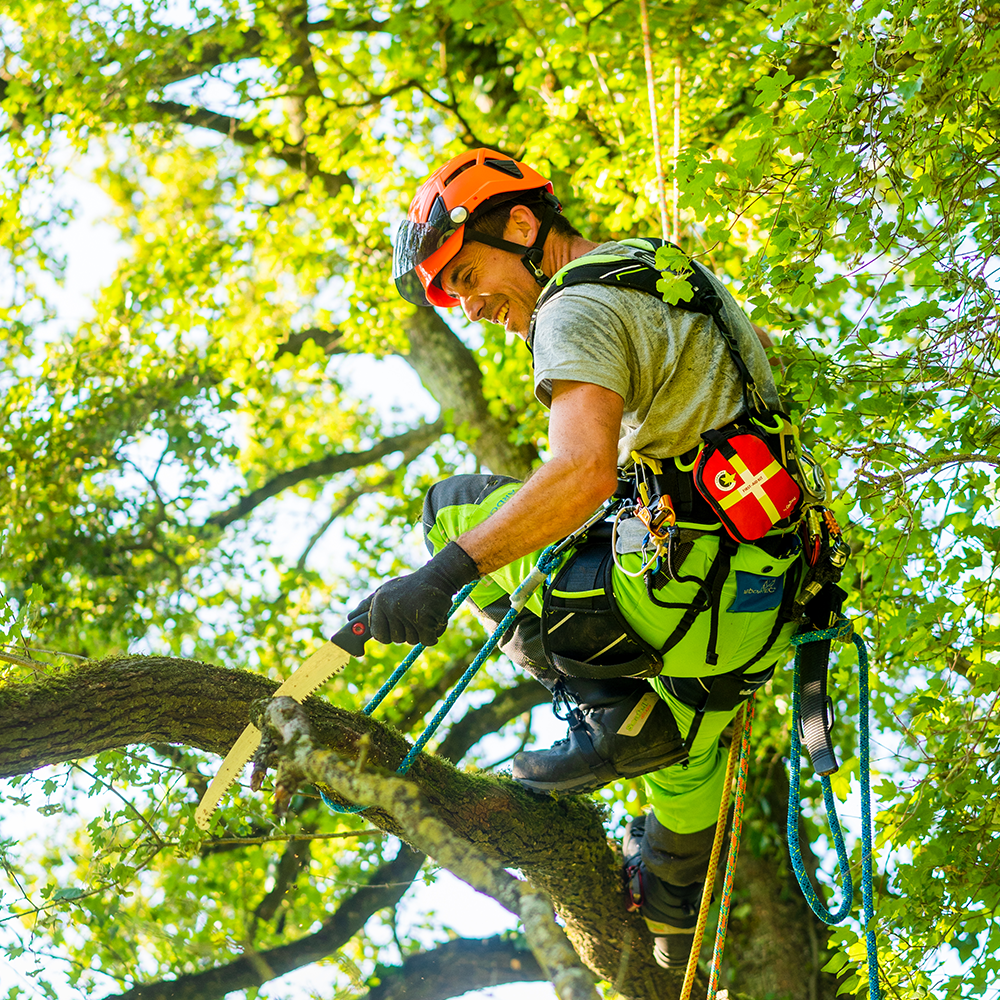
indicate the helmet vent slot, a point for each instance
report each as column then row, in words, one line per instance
column 505, row 166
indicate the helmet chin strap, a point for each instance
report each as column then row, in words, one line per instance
column 531, row 257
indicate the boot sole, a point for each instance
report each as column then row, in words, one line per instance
column 582, row 784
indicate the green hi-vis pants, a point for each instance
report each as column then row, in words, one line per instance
column 685, row 797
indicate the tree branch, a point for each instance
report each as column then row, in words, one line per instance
column 296, row 155
column 299, row 761
column 196, row 54
column 296, row 856
column 199, row 53
column 451, row 375
column 559, row 844
column 420, row 436
column 385, row 889
column 456, row 967
column 489, row 718
column 328, row 341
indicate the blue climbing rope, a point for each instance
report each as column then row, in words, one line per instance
column 546, row 563
column 843, row 629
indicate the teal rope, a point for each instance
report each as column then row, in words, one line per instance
column 547, row 561
column 394, row 677
column 841, row 630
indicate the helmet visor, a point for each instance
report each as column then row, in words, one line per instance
column 415, row 244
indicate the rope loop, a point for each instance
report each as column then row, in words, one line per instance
column 842, row 629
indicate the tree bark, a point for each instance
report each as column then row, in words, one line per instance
column 456, row 967
column 386, row 888
column 450, row 374
column 560, row 845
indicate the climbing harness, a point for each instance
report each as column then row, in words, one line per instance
column 842, row 629
column 546, row 563
column 753, row 474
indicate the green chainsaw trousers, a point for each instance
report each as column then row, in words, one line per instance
column 685, row 797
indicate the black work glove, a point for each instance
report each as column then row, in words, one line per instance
column 415, row 608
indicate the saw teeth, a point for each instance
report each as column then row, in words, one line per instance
column 328, row 660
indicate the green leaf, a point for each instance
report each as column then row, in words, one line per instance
column 69, row 893
column 836, row 963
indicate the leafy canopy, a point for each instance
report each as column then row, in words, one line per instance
column 216, row 459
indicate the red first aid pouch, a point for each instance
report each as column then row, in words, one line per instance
column 743, row 482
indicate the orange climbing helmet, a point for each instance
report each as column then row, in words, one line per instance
column 441, row 214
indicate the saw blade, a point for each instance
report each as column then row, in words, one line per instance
column 328, row 660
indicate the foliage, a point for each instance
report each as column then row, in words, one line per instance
column 198, row 466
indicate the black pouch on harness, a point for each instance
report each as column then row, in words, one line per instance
column 583, row 632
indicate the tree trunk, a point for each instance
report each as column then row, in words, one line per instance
column 450, row 374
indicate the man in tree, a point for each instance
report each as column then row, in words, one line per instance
column 648, row 662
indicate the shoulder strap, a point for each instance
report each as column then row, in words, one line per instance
column 639, row 272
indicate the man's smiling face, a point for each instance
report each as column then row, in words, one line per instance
column 493, row 284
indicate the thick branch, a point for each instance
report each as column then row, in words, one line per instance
column 559, row 844
column 451, row 375
column 457, row 967
column 296, row 156
column 419, row 437
column 474, row 725
column 199, row 53
column 299, row 761
column 385, row 889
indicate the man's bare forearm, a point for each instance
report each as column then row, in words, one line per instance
column 584, row 423
column 556, row 500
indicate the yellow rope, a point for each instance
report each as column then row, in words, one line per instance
column 713, row 864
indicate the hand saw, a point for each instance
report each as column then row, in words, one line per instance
column 328, row 660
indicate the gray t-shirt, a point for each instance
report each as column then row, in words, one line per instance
column 670, row 366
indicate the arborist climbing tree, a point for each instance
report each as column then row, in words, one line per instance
column 675, row 607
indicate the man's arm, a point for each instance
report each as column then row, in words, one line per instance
column 581, row 473
column 584, row 423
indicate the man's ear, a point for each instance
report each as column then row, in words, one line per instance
column 522, row 226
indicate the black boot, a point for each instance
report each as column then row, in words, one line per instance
column 670, row 911
column 621, row 729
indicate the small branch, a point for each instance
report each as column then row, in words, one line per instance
column 369, row 831
column 295, row 857
column 328, row 341
column 299, row 762
column 421, row 436
column 47, row 652
column 21, row 661
column 474, row 725
column 128, row 803
column 352, row 496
